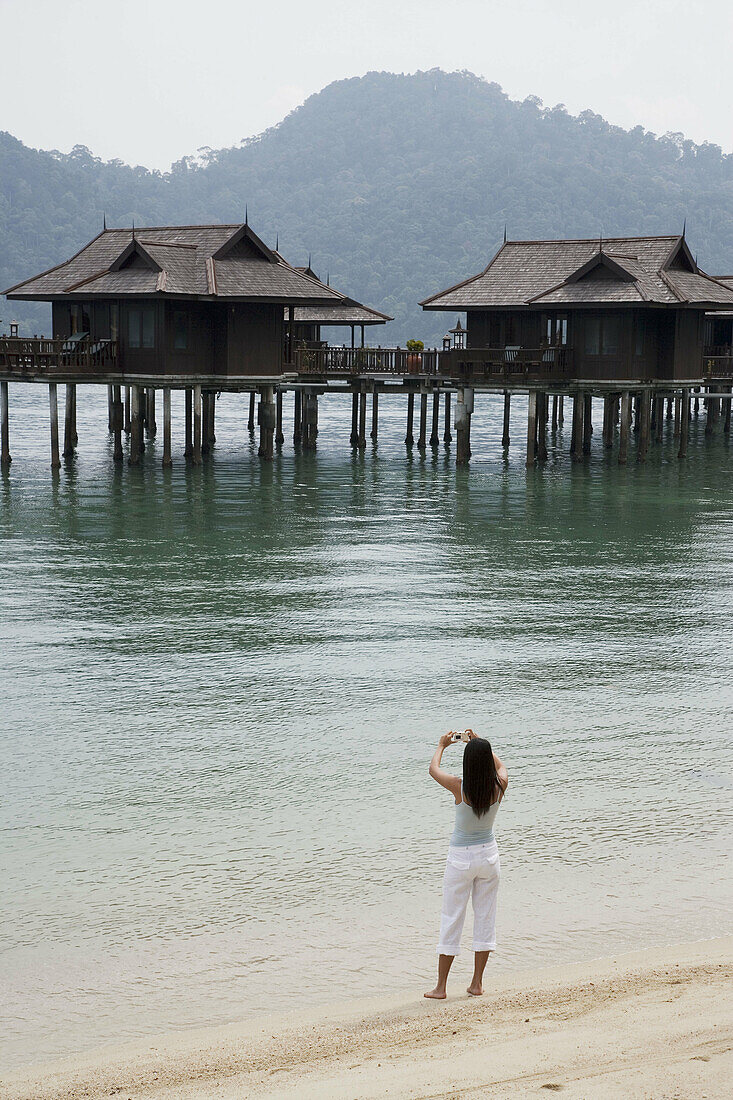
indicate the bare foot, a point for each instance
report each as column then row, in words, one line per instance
column 436, row 994
column 475, row 990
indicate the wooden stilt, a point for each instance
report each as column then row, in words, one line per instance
column 355, row 417
column 507, row 413
column 654, row 409
column 587, row 422
column 560, row 410
column 53, row 411
column 212, row 419
column 69, row 427
column 669, row 407
column 447, row 437
column 196, row 446
column 167, row 458
column 279, row 437
column 606, row 421
column 409, row 438
column 531, row 427
column 310, row 420
column 576, row 436
column 625, row 425
column 5, row 458
column 110, row 410
column 127, row 410
column 422, row 437
column 135, row 425
column 726, row 422
column 74, row 432
column 710, row 418
column 645, row 399
column 677, row 415
column 188, row 443
column 637, row 413
column 697, row 402
column 297, row 417
column 434, row 439
column 542, row 411
column 205, row 422
column 554, row 412
column 251, row 420
column 684, row 423
column 362, row 417
column 151, row 425
column 267, row 417
column 375, row 414
column 118, row 414
column 659, row 421
column 464, row 409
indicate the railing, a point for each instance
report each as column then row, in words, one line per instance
column 718, row 361
column 508, row 363
column 355, row 361
column 38, row 355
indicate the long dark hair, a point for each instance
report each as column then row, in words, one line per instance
column 481, row 785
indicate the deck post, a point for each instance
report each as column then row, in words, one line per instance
column 151, row 425
column 654, row 410
column 726, row 422
column 677, row 415
column 297, row 417
column 279, row 437
column 554, row 412
column 669, row 406
column 606, row 418
column 135, row 426
column 267, row 418
column 110, row 409
column 354, row 440
column 637, row 413
column 660, row 417
column 423, row 421
column 625, row 424
column 561, row 410
column 196, row 447
column 532, row 427
column 447, row 437
column 362, row 416
column 375, row 414
column 188, row 417
column 434, row 440
column 127, row 411
column 464, row 409
column 543, row 405
column 167, row 460
column 409, row 438
column 645, row 425
column 117, row 421
column 507, row 413
column 212, row 419
column 710, row 417
column 53, row 412
column 205, row 422
column 5, row 458
column 697, row 402
column 684, row 424
column 587, row 422
column 251, row 420
column 310, row 420
column 576, row 435
column 69, row 418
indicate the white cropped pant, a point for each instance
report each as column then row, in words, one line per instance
column 472, row 872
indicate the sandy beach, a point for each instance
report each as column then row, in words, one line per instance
column 655, row 1023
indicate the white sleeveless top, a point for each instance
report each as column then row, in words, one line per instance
column 472, row 829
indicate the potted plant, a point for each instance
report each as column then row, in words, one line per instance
column 414, row 358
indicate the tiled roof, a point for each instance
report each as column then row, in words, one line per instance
column 624, row 270
column 348, row 313
column 183, row 261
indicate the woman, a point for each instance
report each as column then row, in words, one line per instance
column 472, row 869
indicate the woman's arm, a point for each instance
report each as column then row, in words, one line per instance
column 451, row 783
column 501, row 772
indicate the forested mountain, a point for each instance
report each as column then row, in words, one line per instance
column 397, row 185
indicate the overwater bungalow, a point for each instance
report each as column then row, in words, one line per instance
column 348, row 313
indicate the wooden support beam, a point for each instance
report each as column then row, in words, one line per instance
column 167, row 457
column 606, row 422
column 637, row 414
column 659, row 402
column 726, row 422
column 297, row 418
column 310, row 420
column 507, row 413
column 69, row 420
column 251, row 420
column 422, row 437
column 645, row 401
column 354, row 440
column 677, row 415
column 188, row 442
column 375, row 414
column 624, row 428
column 53, row 411
column 135, row 425
column 464, row 409
column 196, row 446
column 118, row 414
column 542, row 415
column 669, row 406
column 576, row 436
column 205, row 422
column 279, row 437
column 434, row 438
column 212, row 419
column 409, row 438
column 110, row 409
column 267, row 418
column 531, row 427
column 710, row 417
column 587, row 422
column 127, row 410
column 554, row 412
column 561, row 410
column 5, row 458
column 447, row 437
column 362, row 417
column 684, row 423
column 150, row 421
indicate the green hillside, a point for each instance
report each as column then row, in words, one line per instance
column 397, row 185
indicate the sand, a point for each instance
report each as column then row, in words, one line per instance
column 656, row 1023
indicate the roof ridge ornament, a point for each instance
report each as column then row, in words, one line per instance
column 104, row 222
column 504, row 232
column 246, row 214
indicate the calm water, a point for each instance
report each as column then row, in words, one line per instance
column 221, row 689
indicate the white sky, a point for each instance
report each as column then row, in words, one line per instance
column 149, row 81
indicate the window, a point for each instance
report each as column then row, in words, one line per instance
column 79, row 317
column 602, row 335
column 141, row 327
column 180, row 330
column 592, row 336
column 556, row 331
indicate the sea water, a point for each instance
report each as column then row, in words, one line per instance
column 221, row 688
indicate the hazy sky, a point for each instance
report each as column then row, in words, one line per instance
column 149, row 81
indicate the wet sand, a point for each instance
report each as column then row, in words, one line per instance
column 655, row 1023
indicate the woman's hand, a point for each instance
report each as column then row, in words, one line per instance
column 471, row 735
column 446, row 740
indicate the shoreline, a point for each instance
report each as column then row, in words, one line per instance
column 643, row 1023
